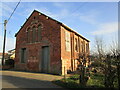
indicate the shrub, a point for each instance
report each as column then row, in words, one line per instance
column 9, row 62
column 96, row 64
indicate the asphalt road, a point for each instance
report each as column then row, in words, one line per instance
column 18, row 82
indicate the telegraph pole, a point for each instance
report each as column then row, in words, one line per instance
column 3, row 54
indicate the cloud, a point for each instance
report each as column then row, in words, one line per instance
column 88, row 17
column 10, row 43
column 7, row 8
column 44, row 10
column 62, row 0
column 106, row 28
column 47, row 12
column 63, row 13
column 58, row 4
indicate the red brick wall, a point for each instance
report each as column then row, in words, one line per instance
column 53, row 35
column 50, row 37
column 69, row 58
column 65, row 55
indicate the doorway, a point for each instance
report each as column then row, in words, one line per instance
column 45, row 59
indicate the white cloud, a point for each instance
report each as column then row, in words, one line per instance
column 44, row 10
column 10, row 43
column 47, row 12
column 7, row 9
column 58, row 15
column 106, row 28
column 62, row 0
column 63, row 13
column 58, row 4
column 88, row 17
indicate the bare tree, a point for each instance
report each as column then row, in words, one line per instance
column 83, row 71
column 110, row 71
column 99, row 45
column 115, row 51
column 110, row 61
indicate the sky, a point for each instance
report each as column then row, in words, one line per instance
column 89, row 19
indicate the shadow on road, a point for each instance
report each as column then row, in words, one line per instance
column 26, row 83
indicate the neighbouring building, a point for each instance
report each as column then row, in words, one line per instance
column 11, row 54
column 47, row 45
column 5, row 57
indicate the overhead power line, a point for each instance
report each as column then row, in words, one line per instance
column 13, row 11
column 4, row 41
column 75, row 10
column 79, row 7
column 12, row 14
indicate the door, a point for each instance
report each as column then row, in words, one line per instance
column 45, row 59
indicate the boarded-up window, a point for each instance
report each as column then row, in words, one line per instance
column 39, row 32
column 23, row 55
column 82, row 47
column 34, row 34
column 87, row 47
column 67, row 41
column 76, row 44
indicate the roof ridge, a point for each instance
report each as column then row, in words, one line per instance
column 62, row 25
column 56, row 21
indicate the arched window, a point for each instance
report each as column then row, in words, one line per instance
column 39, row 32
column 28, row 35
column 33, row 34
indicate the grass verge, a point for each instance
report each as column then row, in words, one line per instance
column 96, row 81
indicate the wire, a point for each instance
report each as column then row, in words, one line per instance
column 72, row 13
column 79, row 7
column 9, row 32
column 13, row 11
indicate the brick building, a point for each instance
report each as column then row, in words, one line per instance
column 46, row 45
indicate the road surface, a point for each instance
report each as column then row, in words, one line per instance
column 12, row 79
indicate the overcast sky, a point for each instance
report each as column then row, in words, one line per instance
column 90, row 19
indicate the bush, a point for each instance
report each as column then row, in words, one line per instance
column 75, row 77
column 96, row 64
column 9, row 62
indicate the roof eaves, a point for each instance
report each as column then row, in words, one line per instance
column 68, row 28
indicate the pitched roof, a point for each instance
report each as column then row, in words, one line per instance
column 11, row 50
column 68, row 28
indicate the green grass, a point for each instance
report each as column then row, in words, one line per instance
column 96, row 80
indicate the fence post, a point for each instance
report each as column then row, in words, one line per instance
column 64, row 74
